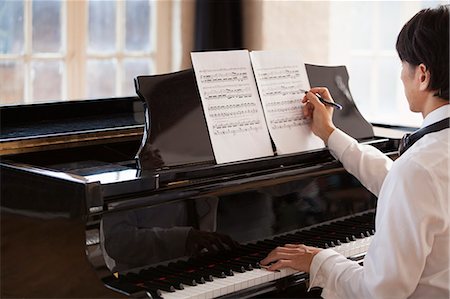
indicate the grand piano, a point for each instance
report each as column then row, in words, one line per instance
column 116, row 198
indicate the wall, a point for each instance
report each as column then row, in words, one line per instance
column 302, row 25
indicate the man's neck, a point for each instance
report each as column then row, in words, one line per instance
column 433, row 104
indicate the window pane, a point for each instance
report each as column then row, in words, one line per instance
column 13, row 92
column 133, row 68
column 388, row 77
column 137, row 34
column 11, row 27
column 47, row 80
column 432, row 3
column 360, row 81
column 101, row 78
column 390, row 24
column 362, row 24
column 102, row 26
column 46, row 26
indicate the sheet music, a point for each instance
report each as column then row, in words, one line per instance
column 280, row 76
column 232, row 107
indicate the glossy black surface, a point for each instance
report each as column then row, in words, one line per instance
column 178, row 206
column 176, row 134
column 176, row 130
column 26, row 121
column 349, row 119
column 241, row 258
column 137, row 234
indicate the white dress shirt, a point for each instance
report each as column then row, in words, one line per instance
column 409, row 254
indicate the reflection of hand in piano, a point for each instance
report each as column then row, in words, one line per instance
column 201, row 241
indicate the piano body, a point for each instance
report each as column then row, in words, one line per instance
column 83, row 215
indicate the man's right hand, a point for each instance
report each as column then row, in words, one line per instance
column 321, row 115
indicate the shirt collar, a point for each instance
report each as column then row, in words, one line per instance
column 436, row 115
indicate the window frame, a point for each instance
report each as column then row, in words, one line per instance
column 74, row 56
column 342, row 52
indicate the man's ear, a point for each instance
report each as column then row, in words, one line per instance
column 423, row 75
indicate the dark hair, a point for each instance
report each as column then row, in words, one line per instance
column 424, row 39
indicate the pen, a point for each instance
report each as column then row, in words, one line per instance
column 325, row 102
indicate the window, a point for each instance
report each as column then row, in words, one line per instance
column 363, row 37
column 63, row 50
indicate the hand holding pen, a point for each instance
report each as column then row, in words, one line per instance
column 325, row 102
column 320, row 112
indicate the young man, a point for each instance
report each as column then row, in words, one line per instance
column 409, row 254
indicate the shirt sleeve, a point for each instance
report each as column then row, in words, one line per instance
column 408, row 218
column 369, row 165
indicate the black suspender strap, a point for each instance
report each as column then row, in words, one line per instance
column 410, row 139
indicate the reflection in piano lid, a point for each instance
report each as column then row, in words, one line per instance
column 99, row 221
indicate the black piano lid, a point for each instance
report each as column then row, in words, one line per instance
column 176, row 143
column 20, row 122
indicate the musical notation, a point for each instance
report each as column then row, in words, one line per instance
column 223, row 75
column 288, row 122
column 241, row 105
column 231, row 103
column 279, row 73
column 281, row 90
column 228, row 93
column 286, row 109
column 237, row 127
column 236, row 113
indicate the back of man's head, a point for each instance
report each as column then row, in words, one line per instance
column 424, row 40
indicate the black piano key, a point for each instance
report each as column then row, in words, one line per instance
column 151, row 275
column 225, row 269
column 261, row 247
column 196, row 273
column 257, row 249
column 247, row 266
column 195, row 276
column 154, row 292
column 159, row 286
column 209, row 276
column 172, row 281
column 232, row 264
column 216, row 272
column 139, row 282
column 147, row 274
column 253, row 261
column 128, row 288
column 239, row 267
column 180, row 278
column 248, row 249
column 212, row 269
column 173, row 273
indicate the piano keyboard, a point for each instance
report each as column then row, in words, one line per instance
column 237, row 270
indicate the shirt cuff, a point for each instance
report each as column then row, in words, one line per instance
column 317, row 273
column 338, row 142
